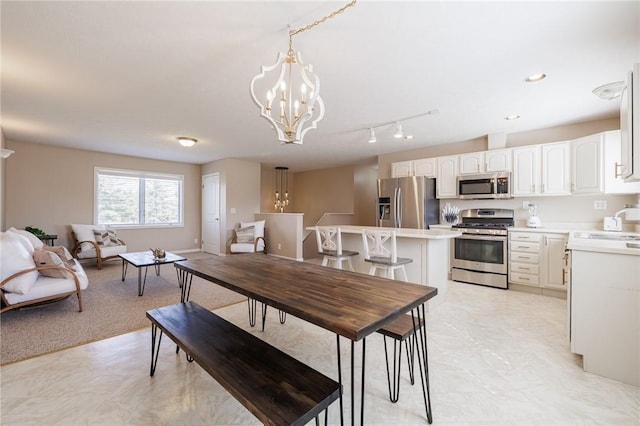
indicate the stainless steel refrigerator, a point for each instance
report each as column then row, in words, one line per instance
column 407, row 202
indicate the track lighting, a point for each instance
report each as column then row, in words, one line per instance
column 372, row 136
column 398, row 133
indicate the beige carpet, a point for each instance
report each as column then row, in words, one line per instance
column 110, row 308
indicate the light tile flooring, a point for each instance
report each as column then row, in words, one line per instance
column 496, row 358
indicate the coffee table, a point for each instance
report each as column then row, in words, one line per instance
column 144, row 259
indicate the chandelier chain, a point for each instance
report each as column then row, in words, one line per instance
column 317, row 22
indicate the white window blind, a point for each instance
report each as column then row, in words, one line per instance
column 133, row 198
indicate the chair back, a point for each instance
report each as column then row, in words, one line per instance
column 329, row 238
column 379, row 243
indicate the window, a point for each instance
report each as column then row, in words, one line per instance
column 132, row 198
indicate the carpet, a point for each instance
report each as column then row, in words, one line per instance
column 110, row 308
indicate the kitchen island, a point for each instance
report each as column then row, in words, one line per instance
column 429, row 249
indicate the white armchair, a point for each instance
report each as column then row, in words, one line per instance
column 96, row 242
column 32, row 273
column 249, row 238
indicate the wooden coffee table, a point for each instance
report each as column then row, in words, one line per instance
column 144, row 259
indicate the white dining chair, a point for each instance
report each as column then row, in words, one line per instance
column 329, row 239
column 380, row 250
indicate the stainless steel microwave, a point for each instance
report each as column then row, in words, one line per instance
column 480, row 186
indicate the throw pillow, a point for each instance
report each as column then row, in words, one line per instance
column 63, row 254
column 102, row 237
column 49, row 258
column 245, row 235
column 259, row 225
column 113, row 238
column 15, row 258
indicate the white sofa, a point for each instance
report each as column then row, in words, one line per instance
column 25, row 282
column 106, row 246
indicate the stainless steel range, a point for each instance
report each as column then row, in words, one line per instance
column 480, row 254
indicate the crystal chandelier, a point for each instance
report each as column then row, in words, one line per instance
column 292, row 103
column 282, row 189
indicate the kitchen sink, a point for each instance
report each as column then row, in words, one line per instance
column 603, row 236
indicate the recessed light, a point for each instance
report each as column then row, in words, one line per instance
column 535, row 77
column 512, row 117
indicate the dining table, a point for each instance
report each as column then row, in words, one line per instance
column 350, row 304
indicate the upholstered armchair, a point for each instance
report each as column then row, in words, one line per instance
column 32, row 273
column 96, row 242
column 249, row 238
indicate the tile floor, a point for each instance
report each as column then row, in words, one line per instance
column 496, row 358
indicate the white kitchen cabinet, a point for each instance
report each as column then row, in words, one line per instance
column 471, row 163
column 542, row 170
column 402, row 169
column 498, row 160
column 524, row 258
column 552, row 261
column 556, row 169
column 526, row 171
column 446, row 180
column 425, row 167
column 536, row 259
column 586, row 159
column 611, row 168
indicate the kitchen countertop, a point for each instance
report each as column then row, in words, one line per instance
column 425, row 234
column 600, row 242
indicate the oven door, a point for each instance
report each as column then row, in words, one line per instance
column 484, row 253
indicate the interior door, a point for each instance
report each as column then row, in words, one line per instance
column 211, row 213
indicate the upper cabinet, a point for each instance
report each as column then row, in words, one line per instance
column 402, row 169
column 498, row 160
column 471, row 163
column 587, row 157
column 613, row 180
column 542, row 170
column 446, row 180
column 426, row 167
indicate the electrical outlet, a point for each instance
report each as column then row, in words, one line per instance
column 195, row 241
column 600, row 204
column 525, row 204
column 279, row 246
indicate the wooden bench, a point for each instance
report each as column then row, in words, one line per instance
column 273, row 386
column 401, row 330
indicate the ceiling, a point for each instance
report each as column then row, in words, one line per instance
column 129, row 77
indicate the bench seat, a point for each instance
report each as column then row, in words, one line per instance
column 272, row 385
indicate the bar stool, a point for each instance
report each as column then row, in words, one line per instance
column 329, row 240
column 381, row 251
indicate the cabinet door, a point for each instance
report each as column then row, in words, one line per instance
column 556, row 169
column 402, row 169
column 586, row 155
column 526, row 170
column 613, row 181
column 425, row 167
column 447, row 174
column 498, row 160
column 471, row 163
column 552, row 261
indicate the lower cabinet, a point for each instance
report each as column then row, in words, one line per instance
column 536, row 259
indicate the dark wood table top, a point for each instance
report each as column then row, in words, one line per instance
column 350, row 304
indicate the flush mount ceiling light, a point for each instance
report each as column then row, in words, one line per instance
column 512, row 117
column 535, row 77
column 398, row 133
column 610, row 91
column 372, row 136
column 188, row 142
column 5, row 153
column 296, row 91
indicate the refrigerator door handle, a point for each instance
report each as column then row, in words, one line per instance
column 399, row 208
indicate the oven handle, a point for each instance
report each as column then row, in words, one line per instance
column 482, row 237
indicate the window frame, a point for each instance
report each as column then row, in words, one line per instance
column 141, row 176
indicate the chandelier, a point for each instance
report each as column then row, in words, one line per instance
column 282, row 189
column 292, row 102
